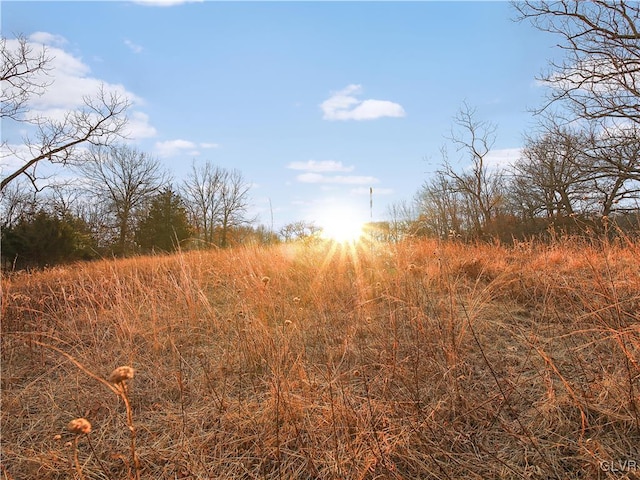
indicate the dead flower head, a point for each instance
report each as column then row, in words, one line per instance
column 266, row 280
column 121, row 374
column 79, row 426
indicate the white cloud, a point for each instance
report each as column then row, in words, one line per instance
column 343, row 105
column 164, row 3
column 47, row 38
column 502, row 158
column 313, row 177
column 172, row 148
column 134, row 47
column 139, row 127
column 63, row 63
column 340, row 101
column 320, row 166
column 318, row 172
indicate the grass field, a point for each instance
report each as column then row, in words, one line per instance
column 421, row 360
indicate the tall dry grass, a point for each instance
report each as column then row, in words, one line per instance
column 417, row 360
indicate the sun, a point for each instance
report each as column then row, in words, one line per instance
column 341, row 226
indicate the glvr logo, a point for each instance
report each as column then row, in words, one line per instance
column 626, row 465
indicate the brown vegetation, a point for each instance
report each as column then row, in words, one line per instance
column 416, row 360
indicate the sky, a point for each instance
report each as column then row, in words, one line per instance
column 314, row 102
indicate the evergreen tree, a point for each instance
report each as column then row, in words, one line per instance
column 46, row 239
column 165, row 225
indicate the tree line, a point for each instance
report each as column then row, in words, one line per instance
column 123, row 202
column 579, row 170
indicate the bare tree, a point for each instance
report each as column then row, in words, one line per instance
column 217, row 200
column 234, row 197
column 298, row 230
column 549, row 175
column 481, row 189
column 402, row 217
column 202, row 192
column 600, row 76
column 124, row 178
column 100, row 121
column 612, row 167
column 566, row 171
column 440, row 205
column 16, row 202
column 97, row 216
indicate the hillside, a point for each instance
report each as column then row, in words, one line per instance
column 417, row 360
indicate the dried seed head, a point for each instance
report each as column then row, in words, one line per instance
column 266, row 280
column 287, row 322
column 296, row 299
column 79, row 426
column 121, row 374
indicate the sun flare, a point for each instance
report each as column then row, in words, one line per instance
column 342, row 227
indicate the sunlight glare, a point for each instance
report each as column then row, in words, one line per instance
column 342, row 227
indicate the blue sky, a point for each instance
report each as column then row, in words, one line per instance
column 314, row 102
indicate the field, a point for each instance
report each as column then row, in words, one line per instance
column 421, row 360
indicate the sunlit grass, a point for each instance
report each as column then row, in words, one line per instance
column 332, row 360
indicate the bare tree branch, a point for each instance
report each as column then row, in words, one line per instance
column 100, row 121
column 480, row 188
column 600, row 76
column 23, row 75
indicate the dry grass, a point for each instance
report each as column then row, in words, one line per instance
column 420, row 360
